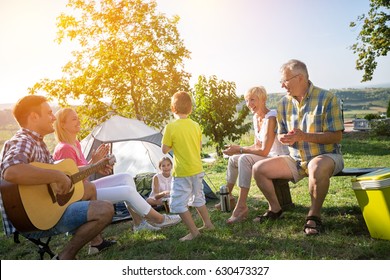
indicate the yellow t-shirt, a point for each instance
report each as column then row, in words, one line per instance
column 184, row 137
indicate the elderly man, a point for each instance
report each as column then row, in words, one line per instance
column 310, row 123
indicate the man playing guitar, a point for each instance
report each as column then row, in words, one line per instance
column 85, row 219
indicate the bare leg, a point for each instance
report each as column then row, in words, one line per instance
column 154, row 216
column 90, row 194
column 320, row 171
column 100, row 215
column 230, row 187
column 189, row 222
column 204, row 213
column 240, row 212
column 136, row 218
column 89, row 191
column 263, row 173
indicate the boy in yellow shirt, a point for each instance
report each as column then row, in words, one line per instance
column 184, row 137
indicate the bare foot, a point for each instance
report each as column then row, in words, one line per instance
column 238, row 215
column 206, row 227
column 240, row 211
column 189, row 237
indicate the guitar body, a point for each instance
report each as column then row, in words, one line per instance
column 14, row 207
column 37, row 207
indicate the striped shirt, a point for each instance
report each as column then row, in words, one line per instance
column 319, row 111
column 24, row 147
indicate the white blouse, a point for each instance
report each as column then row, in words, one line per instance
column 277, row 147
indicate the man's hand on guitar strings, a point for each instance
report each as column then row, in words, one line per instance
column 62, row 184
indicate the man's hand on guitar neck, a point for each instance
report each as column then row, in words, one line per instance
column 106, row 170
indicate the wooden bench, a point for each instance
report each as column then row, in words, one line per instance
column 282, row 188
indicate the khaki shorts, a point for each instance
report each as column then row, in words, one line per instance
column 298, row 173
column 187, row 191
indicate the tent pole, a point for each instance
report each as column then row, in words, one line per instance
column 208, row 178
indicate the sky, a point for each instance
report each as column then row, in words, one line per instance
column 241, row 41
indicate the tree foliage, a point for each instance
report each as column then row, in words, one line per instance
column 129, row 61
column 216, row 111
column 388, row 110
column 373, row 39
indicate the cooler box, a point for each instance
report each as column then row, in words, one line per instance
column 372, row 191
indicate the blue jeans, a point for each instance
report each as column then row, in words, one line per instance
column 74, row 216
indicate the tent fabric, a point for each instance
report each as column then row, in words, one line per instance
column 136, row 146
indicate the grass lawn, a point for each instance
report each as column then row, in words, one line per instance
column 345, row 238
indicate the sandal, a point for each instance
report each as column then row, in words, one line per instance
column 102, row 246
column 269, row 215
column 317, row 227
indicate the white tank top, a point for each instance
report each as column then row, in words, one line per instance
column 164, row 183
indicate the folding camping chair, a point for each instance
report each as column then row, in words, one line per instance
column 43, row 246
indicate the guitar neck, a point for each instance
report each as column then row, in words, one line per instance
column 88, row 171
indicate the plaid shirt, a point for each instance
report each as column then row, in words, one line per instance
column 24, row 147
column 319, row 111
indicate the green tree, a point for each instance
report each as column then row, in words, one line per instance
column 388, row 110
column 216, row 111
column 129, row 61
column 373, row 39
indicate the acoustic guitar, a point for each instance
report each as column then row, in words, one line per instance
column 37, row 207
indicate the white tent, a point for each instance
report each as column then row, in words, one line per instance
column 136, row 146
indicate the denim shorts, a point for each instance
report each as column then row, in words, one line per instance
column 74, row 216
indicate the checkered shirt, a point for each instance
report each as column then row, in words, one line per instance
column 24, row 147
column 319, row 111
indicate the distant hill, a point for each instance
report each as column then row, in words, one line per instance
column 356, row 102
column 367, row 99
column 366, row 86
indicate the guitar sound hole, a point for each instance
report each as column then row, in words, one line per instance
column 62, row 199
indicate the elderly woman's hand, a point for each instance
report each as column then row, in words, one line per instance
column 231, row 150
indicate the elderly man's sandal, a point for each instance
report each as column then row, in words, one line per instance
column 317, row 227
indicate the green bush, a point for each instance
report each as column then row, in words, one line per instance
column 380, row 127
column 370, row 117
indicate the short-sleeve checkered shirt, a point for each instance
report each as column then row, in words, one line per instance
column 24, row 147
column 319, row 111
